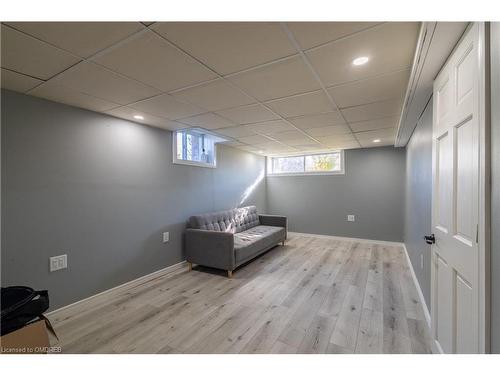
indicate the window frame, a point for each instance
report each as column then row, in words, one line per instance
column 269, row 165
column 194, row 163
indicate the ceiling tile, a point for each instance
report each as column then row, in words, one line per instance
column 303, row 104
column 236, row 132
column 320, row 120
column 97, row 81
column 129, row 113
column 299, row 141
column 270, row 127
column 389, row 46
column 150, row 59
column 372, row 111
column 81, row 38
column 69, row 96
column 207, row 121
column 18, row 82
column 248, row 114
column 272, row 147
column 228, row 47
column 167, row 106
column 328, row 130
column 27, row 55
column 311, row 34
column 383, row 134
column 253, row 139
column 346, row 145
column 289, row 135
column 386, row 122
column 215, row 95
column 382, row 143
column 385, row 87
column 336, row 139
column 312, row 147
column 284, row 78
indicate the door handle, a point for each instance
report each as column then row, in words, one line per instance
column 430, row 239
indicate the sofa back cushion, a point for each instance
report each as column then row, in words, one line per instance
column 234, row 221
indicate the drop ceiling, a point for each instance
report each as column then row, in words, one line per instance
column 273, row 88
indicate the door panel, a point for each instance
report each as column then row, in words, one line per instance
column 465, row 186
column 444, row 101
column 465, row 78
column 465, row 342
column 455, row 200
column 443, row 285
column 444, row 182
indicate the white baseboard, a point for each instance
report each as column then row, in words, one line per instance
column 142, row 279
column 419, row 290
column 352, row 239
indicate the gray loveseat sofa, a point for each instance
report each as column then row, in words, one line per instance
column 227, row 239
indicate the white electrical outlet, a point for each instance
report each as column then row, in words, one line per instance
column 351, row 218
column 422, row 261
column 58, row 262
column 166, row 237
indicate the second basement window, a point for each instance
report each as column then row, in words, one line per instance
column 196, row 147
column 330, row 163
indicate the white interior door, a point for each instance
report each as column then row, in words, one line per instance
column 456, row 289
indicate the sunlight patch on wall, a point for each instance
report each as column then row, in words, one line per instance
column 249, row 190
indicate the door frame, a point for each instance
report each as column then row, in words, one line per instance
column 483, row 231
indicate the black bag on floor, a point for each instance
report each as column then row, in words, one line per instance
column 20, row 305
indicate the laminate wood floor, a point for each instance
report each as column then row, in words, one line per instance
column 313, row 295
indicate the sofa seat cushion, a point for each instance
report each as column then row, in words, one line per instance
column 255, row 240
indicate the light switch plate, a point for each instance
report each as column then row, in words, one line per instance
column 351, row 218
column 58, row 262
column 166, row 237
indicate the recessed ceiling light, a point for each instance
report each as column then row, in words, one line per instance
column 376, row 140
column 139, row 117
column 260, row 152
column 360, row 60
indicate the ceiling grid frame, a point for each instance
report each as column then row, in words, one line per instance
column 245, row 93
column 148, row 28
column 315, row 74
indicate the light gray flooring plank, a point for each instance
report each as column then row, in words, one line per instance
column 419, row 336
column 313, row 295
column 317, row 336
column 370, row 334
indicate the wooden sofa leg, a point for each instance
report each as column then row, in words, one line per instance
column 230, row 274
column 283, row 243
column 190, row 266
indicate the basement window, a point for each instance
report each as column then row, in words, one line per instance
column 306, row 165
column 195, row 147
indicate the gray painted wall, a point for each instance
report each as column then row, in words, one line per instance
column 372, row 189
column 418, row 202
column 101, row 190
column 495, row 187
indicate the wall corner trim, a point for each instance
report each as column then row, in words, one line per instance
column 105, row 294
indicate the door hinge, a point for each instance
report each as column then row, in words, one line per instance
column 477, row 233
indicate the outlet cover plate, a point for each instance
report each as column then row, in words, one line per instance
column 351, row 218
column 166, row 237
column 58, row 262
